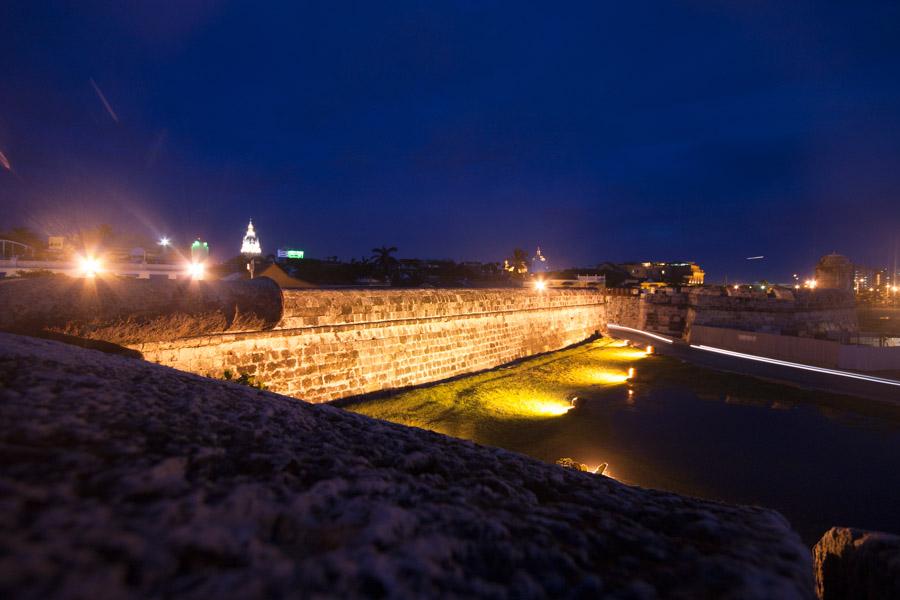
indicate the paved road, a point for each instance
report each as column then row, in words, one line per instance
column 812, row 380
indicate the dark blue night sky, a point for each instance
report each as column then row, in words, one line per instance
column 709, row 130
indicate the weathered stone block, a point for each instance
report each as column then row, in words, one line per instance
column 857, row 564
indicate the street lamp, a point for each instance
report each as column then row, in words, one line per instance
column 89, row 266
column 165, row 242
column 196, row 270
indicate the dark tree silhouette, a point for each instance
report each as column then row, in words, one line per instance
column 386, row 263
column 519, row 261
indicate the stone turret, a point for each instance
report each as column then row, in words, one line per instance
column 834, row 272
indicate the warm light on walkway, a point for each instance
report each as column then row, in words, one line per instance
column 647, row 333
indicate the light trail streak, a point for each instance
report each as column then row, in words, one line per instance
column 647, row 333
column 102, row 97
column 794, row 365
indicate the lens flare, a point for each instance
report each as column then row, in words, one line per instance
column 196, row 270
column 89, row 266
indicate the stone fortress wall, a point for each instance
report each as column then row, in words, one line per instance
column 331, row 344
column 320, row 345
column 819, row 314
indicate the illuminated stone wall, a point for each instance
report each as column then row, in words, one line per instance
column 625, row 308
column 332, row 344
column 824, row 314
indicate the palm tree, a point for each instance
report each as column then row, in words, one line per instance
column 519, row 261
column 382, row 257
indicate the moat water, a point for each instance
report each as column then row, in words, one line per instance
column 819, row 460
column 817, row 467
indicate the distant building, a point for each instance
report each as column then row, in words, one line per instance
column 539, row 263
column 866, row 279
column 250, row 245
column 834, row 272
column 687, row 273
column 56, row 243
column 670, row 273
column 199, row 251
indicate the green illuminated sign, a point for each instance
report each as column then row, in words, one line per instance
column 290, row 253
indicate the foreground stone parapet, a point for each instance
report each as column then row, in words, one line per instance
column 122, row 478
column 857, row 564
column 124, row 311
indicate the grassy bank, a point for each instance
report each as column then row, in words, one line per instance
column 491, row 407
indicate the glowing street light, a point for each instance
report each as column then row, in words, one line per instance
column 89, row 266
column 165, row 242
column 540, row 285
column 196, row 270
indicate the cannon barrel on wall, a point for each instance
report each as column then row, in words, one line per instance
column 129, row 311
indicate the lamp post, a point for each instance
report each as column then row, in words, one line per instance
column 164, row 243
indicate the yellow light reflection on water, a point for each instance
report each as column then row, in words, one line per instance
column 521, row 403
column 546, row 408
column 599, row 376
column 623, row 354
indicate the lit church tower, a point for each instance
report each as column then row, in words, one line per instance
column 250, row 246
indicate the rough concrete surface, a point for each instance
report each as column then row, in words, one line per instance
column 121, row 478
column 857, row 564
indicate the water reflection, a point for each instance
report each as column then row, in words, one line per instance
column 821, row 460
